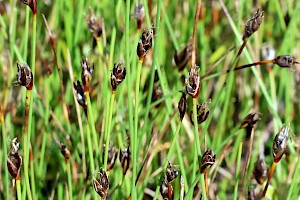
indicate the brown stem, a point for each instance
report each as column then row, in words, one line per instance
column 252, row 64
column 206, row 182
column 242, row 47
column 269, row 178
column 247, row 163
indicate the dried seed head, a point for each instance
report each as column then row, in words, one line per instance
column 112, row 157
column 252, row 25
column 250, row 120
column 144, row 44
column 280, row 143
column 207, row 160
column 31, row 4
column 251, row 193
column 192, row 84
column 202, row 113
column 166, row 190
column 86, row 73
column 102, row 186
column 182, row 105
column 125, row 160
column 80, row 94
column 286, row 61
column 24, row 77
column 260, row 171
column 157, row 94
column 171, row 173
column 182, row 58
column 95, row 24
column 65, row 152
column 14, row 161
column 139, row 14
column 118, row 75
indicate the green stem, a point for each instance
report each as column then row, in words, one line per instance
column 238, row 165
column 18, row 185
column 107, row 134
column 68, row 166
column 26, row 135
column 90, row 148
column 136, row 120
column 4, row 139
column 91, row 121
column 295, row 177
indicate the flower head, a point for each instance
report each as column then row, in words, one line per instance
column 192, row 84
column 166, row 190
column 182, row 105
column 24, row 77
column 202, row 113
column 171, row 172
column 95, row 24
column 207, row 160
column 125, row 159
column 86, row 73
column 101, row 186
column 139, row 14
column 65, row 151
column 280, row 143
column 118, row 75
column 14, row 161
column 112, row 157
column 286, row 61
column 32, row 5
column 144, row 44
column 182, row 58
column 252, row 25
column 260, row 171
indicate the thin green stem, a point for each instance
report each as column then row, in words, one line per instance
column 18, row 185
column 4, row 147
column 26, row 138
column 107, row 134
column 68, row 169
column 136, row 120
column 91, row 121
column 238, row 165
column 295, row 178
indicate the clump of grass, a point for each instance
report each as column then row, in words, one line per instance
column 175, row 41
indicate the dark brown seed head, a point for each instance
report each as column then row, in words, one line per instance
column 280, row 143
column 118, row 75
column 65, row 152
column 139, row 14
column 192, row 84
column 166, row 190
column 31, row 4
column 260, row 171
column 86, row 73
column 182, row 105
column 112, row 157
column 251, row 193
column 286, row 61
column 125, row 160
column 202, row 113
column 80, row 94
column 207, row 160
column 171, row 173
column 250, row 120
column 182, row 58
column 95, row 24
column 144, row 44
column 24, row 77
column 157, row 94
column 252, row 25
column 14, row 161
column 101, row 186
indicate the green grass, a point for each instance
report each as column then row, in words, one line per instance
column 129, row 117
